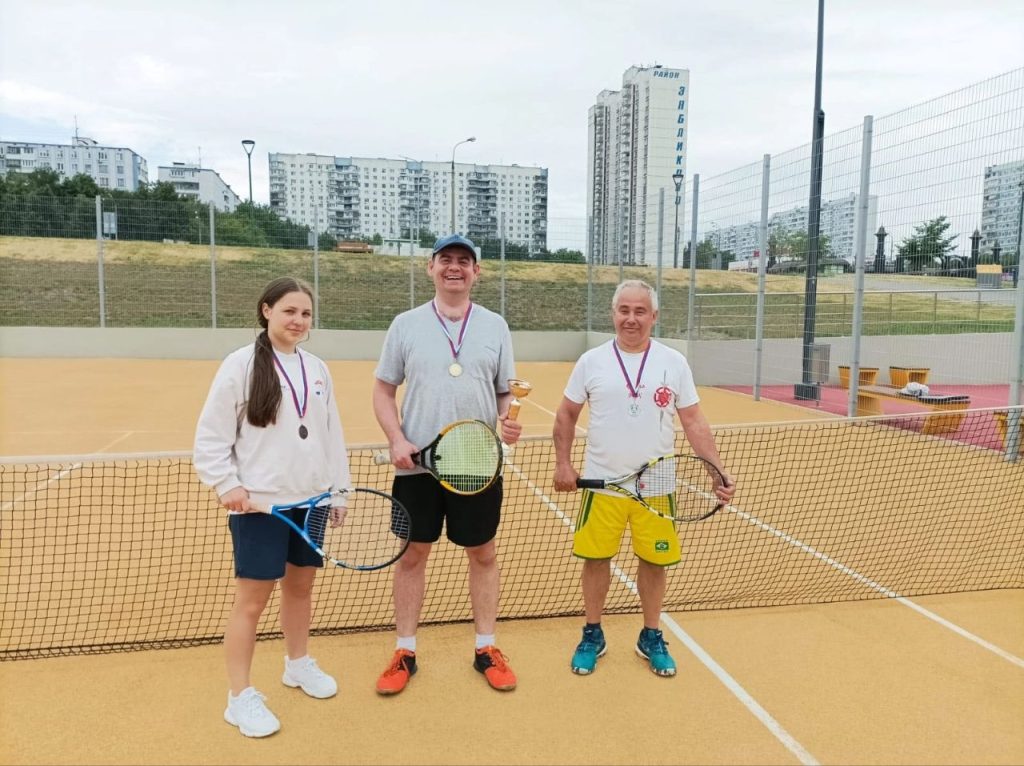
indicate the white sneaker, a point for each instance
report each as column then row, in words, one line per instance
column 306, row 674
column 250, row 715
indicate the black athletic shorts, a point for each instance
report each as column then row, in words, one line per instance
column 263, row 545
column 470, row 520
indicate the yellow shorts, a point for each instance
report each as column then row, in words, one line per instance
column 602, row 520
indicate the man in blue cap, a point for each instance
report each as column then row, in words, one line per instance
column 455, row 358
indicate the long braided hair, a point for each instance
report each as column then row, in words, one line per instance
column 264, row 385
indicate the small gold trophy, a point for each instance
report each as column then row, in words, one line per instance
column 519, row 388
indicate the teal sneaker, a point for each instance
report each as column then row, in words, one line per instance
column 592, row 646
column 652, row 647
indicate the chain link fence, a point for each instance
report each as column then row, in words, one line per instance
column 927, row 202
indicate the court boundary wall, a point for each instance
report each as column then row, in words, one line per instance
column 715, row 362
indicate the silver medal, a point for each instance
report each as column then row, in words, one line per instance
column 634, row 408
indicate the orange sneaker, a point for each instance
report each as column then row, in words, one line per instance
column 494, row 665
column 397, row 674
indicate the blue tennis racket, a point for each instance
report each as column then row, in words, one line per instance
column 371, row 530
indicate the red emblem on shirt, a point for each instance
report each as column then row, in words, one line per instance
column 663, row 396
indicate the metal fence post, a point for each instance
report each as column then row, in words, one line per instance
column 414, row 243
column 1014, row 424
column 762, row 270
column 690, row 337
column 99, row 261
column 502, row 254
column 589, row 255
column 661, row 233
column 213, row 271
column 316, row 267
column 860, row 239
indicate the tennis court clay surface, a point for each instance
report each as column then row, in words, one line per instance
column 930, row 679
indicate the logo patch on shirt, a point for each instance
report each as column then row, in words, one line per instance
column 663, row 396
column 661, row 546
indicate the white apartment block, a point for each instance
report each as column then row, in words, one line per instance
column 355, row 197
column 202, row 184
column 112, row 167
column 636, row 142
column 1001, row 206
column 837, row 223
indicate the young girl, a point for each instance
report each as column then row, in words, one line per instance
column 269, row 434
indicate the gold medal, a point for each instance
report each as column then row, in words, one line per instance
column 455, row 369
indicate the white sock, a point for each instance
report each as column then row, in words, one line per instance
column 233, row 697
column 406, row 642
column 289, row 660
column 484, row 639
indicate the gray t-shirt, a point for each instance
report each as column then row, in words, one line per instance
column 416, row 352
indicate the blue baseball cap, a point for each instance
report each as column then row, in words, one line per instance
column 455, row 240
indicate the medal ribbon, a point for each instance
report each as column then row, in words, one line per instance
column 633, row 388
column 305, row 385
column 455, row 347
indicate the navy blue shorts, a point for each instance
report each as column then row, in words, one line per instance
column 470, row 520
column 263, row 545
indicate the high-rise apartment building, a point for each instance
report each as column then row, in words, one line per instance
column 1001, row 206
column 112, row 167
column 637, row 141
column 352, row 197
column 838, row 224
column 202, row 184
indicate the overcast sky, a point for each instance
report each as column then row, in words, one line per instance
column 182, row 79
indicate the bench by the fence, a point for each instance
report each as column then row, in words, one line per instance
column 952, row 406
column 866, row 375
column 900, row 376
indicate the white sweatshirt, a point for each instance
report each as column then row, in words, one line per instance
column 274, row 464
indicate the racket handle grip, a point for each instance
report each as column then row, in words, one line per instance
column 590, row 483
column 513, row 409
column 383, row 458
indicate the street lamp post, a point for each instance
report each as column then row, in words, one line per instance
column 677, row 179
column 452, row 189
column 248, row 145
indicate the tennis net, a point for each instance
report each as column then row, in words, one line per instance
column 114, row 553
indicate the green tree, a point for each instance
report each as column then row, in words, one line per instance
column 708, row 251
column 928, row 245
column 795, row 245
column 491, row 248
column 561, row 255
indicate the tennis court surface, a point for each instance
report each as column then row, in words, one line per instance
column 860, row 601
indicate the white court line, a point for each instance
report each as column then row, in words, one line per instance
column 582, row 431
column 57, row 476
column 120, row 438
column 888, row 592
column 730, row 683
column 878, row 587
column 41, row 485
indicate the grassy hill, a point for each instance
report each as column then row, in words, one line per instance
column 54, row 282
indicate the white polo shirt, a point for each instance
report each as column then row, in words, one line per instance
column 620, row 441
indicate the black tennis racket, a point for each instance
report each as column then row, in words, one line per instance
column 371, row 532
column 677, row 487
column 466, row 457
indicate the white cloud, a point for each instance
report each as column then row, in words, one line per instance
column 410, row 78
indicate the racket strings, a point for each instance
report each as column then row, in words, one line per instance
column 687, row 483
column 372, row 529
column 468, row 457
